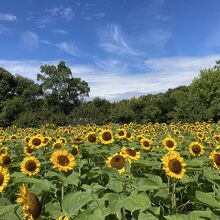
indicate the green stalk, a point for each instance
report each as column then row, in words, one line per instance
column 173, row 207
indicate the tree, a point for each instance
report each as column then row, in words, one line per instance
column 96, row 111
column 27, row 88
column 205, row 89
column 7, row 85
column 122, row 112
column 61, row 88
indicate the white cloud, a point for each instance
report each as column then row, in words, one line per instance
column 7, row 17
column 44, row 21
column 61, row 31
column 69, row 48
column 30, row 40
column 63, row 12
column 52, row 14
column 99, row 15
column 112, row 40
column 117, row 83
column 67, row 13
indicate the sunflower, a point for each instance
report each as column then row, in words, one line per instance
column 4, row 178
column 58, row 145
column 30, row 165
column 169, row 143
column 78, row 139
column 5, row 160
column 63, row 218
column 200, row 135
column 36, row 141
column 28, row 150
column 62, row 160
column 146, row 143
column 75, row 150
column 26, row 139
column 106, row 136
column 12, row 137
column 215, row 157
column 216, row 138
column 196, row 149
column 30, row 204
column 174, row 165
column 130, row 153
column 121, row 133
column 3, row 150
column 117, row 161
column 91, row 137
column 46, row 140
column 62, row 140
column 130, row 137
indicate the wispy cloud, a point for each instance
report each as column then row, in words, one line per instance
column 43, row 22
column 61, row 31
column 52, row 14
column 118, row 83
column 63, row 12
column 99, row 15
column 30, row 40
column 112, row 40
column 69, row 47
column 7, row 17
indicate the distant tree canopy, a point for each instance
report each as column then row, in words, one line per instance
column 61, row 88
column 60, row 98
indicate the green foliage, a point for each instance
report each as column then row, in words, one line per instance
column 7, row 85
column 59, row 99
column 122, row 112
column 58, row 83
column 96, row 111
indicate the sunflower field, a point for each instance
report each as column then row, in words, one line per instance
column 131, row 171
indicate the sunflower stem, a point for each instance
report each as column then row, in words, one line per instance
column 173, row 207
column 123, row 213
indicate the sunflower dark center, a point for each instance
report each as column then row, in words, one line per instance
column 29, row 149
column 30, row 165
column 63, row 140
column 77, row 139
column 36, row 141
column 57, row 145
column 3, row 151
column 34, row 204
column 131, row 152
column 74, row 151
column 128, row 135
column 106, row 136
column 175, row 166
column 196, row 149
column 92, row 138
column 46, row 140
column 217, row 159
column 170, row 143
column 63, row 160
column 217, row 138
column 118, row 162
column 6, row 160
column 1, row 179
column 121, row 133
column 146, row 143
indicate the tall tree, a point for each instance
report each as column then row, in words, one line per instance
column 61, row 88
column 7, row 85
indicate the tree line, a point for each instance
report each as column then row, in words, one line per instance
column 60, row 98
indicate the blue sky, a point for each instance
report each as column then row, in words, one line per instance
column 122, row 48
